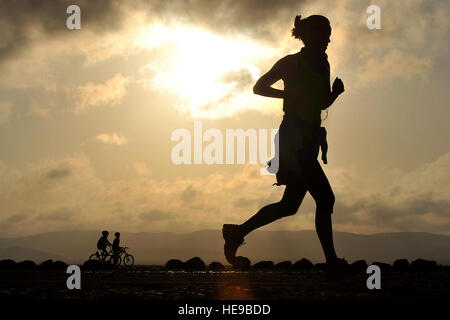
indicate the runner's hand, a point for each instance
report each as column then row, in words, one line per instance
column 338, row 86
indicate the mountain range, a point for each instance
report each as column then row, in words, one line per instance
column 156, row 248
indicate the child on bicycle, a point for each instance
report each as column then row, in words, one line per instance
column 116, row 243
column 103, row 243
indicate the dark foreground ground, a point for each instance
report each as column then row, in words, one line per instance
column 154, row 283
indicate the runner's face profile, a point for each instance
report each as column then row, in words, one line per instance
column 319, row 39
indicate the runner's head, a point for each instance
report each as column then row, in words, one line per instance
column 314, row 31
column 117, row 234
column 105, row 233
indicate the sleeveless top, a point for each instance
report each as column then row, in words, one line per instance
column 300, row 134
column 312, row 87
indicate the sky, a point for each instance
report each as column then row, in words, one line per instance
column 87, row 116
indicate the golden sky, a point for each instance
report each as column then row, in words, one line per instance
column 86, row 115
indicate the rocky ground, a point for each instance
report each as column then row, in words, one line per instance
column 157, row 283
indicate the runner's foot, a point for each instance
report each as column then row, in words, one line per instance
column 233, row 240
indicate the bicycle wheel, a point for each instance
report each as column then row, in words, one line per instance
column 108, row 259
column 94, row 257
column 128, row 260
column 116, row 260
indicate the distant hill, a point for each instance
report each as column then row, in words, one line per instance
column 20, row 254
column 157, row 248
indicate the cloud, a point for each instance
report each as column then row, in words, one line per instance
column 62, row 214
column 109, row 93
column 395, row 64
column 39, row 111
column 17, row 218
column 35, row 34
column 5, row 111
column 407, row 45
column 156, row 215
column 407, row 27
column 244, row 202
column 433, row 177
column 113, row 138
column 58, row 173
column 49, row 203
column 242, row 79
column 189, row 193
column 141, row 169
column 40, row 52
column 401, row 50
column 256, row 18
column 415, row 200
column 43, row 182
column 405, row 36
column 24, row 23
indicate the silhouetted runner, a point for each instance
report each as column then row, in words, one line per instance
column 306, row 93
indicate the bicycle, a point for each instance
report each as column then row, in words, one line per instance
column 101, row 256
column 127, row 259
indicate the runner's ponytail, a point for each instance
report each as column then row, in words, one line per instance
column 299, row 26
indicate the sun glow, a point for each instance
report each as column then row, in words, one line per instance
column 211, row 75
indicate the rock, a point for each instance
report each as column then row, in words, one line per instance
column 303, row 264
column 384, row 267
column 264, row 265
column 107, row 265
column 47, row 264
column 7, row 264
column 422, row 265
column 320, row 266
column 241, row 263
column 445, row 269
column 359, row 266
column 194, row 263
column 26, row 265
column 50, row 265
column 215, row 265
column 92, row 265
column 400, row 265
column 60, row 265
column 174, row 264
column 285, row 265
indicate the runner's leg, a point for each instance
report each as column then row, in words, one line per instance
column 287, row 206
column 320, row 189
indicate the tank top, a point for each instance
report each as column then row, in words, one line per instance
column 313, row 88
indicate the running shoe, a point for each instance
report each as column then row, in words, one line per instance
column 233, row 240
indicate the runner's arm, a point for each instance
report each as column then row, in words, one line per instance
column 338, row 88
column 263, row 86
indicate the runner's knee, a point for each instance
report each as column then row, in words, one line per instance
column 325, row 204
column 287, row 208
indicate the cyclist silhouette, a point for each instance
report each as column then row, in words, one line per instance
column 116, row 243
column 103, row 243
column 306, row 77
